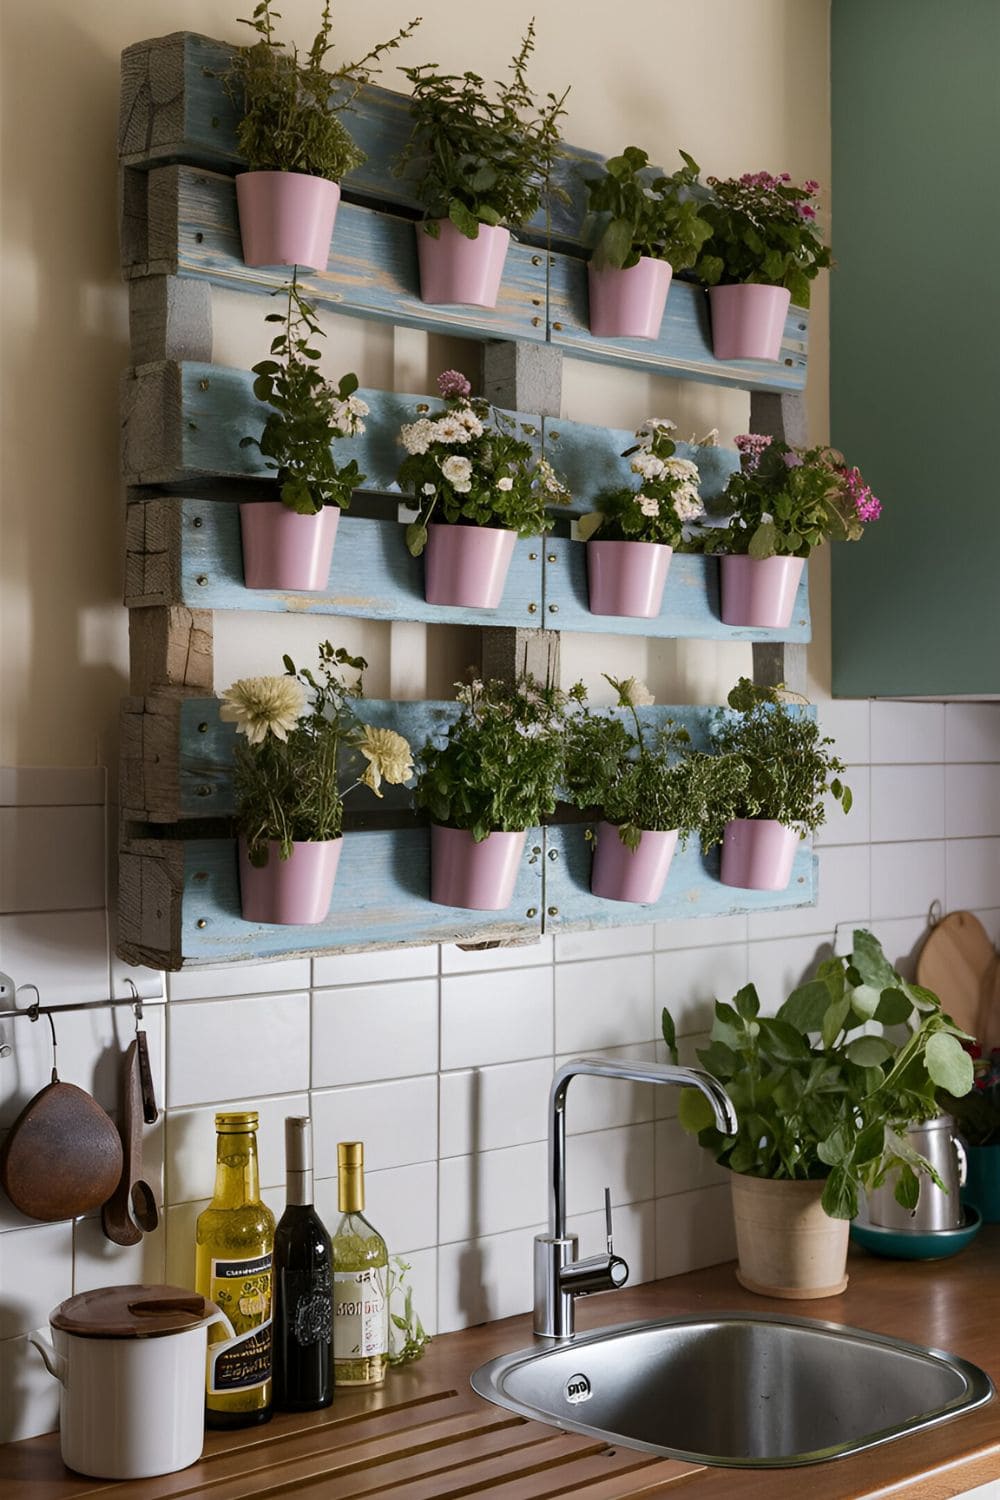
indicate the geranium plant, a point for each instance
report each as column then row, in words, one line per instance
column 666, row 498
column 478, row 159
column 763, row 231
column 299, row 738
column 784, row 501
column 641, row 215
column 470, row 466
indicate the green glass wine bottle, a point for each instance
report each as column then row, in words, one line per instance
column 360, row 1280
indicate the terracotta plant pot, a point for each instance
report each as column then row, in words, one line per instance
column 759, row 591
column 628, row 304
column 623, row 874
column 757, row 854
column 627, row 578
column 286, row 218
column 787, row 1246
column 290, row 892
column 284, row 550
column 479, row 877
column 460, row 271
column 466, row 566
column 748, row 321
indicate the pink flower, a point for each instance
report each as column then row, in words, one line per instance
column 751, row 445
column 811, row 187
column 792, row 461
column 806, row 210
column 785, row 177
column 453, row 383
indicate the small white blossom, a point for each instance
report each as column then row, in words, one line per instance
column 648, row 504
column 648, row 465
column 469, row 421
column 449, row 430
column 260, row 706
column 505, row 484
column 388, row 754
column 652, row 425
column 428, row 489
column 682, row 468
column 416, row 437
column 687, row 504
column 458, row 472
column 635, row 693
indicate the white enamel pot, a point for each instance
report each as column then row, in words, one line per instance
column 131, row 1364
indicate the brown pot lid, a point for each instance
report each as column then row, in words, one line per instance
column 132, row 1312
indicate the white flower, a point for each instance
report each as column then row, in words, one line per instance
column 710, row 440
column 766, row 519
column 648, row 465
column 416, row 437
column 469, row 421
column 428, row 489
column 388, row 754
column 682, row 468
column 634, row 693
column 449, row 430
column 652, row 425
column 259, row 706
column 347, row 415
column 458, row 472
column 505, row 484
column 648, row 504
column 687, row 504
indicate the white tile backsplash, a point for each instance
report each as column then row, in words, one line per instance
column 483, row 1109
column 240, row 979
column 495, row 1018
column 620, row 1159
column 972, row 873
column 906, row 732
column 972, row 731
column 604, row 1002
column 36, row 1274
column 690, row 980
column 474, row 960
column 492, row 1191
column 907, row 878
column 907, row 802
column 480, row 1280
column 221, row 1050
column 31, row 879
column 972, row 801
column 374, row 1031
column 694, row 1229
column 191, row 1142
column 396, row 1120
column 604, row 942
column 843, row 895
column 375, row 968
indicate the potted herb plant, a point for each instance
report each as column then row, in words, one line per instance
column 763, row 252
column 823, row 1103
column 651, row 228
column 790, row 769
column 631, row 537
column 477, row 485
column 495, row 775
column 480, row 167
column 293, row 139
column 297, row 736
column 783, row 502
column 288, row 543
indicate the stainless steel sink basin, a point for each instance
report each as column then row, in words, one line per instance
column 736, row 1390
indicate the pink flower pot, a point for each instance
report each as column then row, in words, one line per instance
column 759, row 590
column 757, row 854
column 629, row 304
column 627, row 578
column 286, row 218
column 283, row 550
column 289, row 892
column 748, row 321
column 480, row 876
column 467, row 566
column 458, row 270
column 623, row 874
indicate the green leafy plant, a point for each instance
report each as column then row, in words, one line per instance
column 789, row 767
column 666, row 498
column 763, row 231
column 469, row 466
column 291, row 105
column 298, row 738
column 656, row 217
column 407, row 1336
column 309, row 415
column 817, row 1093
column 501, row 762
column 481, row 160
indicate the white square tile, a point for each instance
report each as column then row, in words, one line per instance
column 907, row 878
column 495, row 1018
column 972, row 801
column 694, row 1230
column 29, row 1397
column 422, row 1279
column 150, row 983
column 907, row 732
column 604, row 942
column 65, row 953
column 604, row 1003
column 36, row 1273
column 701, row 932
column 235, row 1049
column 972, row 873
column 99, row 1262
column 619, row 1159
column 398, row 1122
column 907, row 803
column 482, row 1280
column 252, row 978
column 972, row 731
column 457, row 960
column 483, row 1109
column 376, row 968
column 853, row 827
column 401, row 1203
column 634, row 1227
column 778, row 967
column 847, row 722
column 605, row 1103
column 375, row 1031
column 901, row 941
column 690, row 980
column 492, row 1192
column 191, row 1143
column 52, row 859
column 682, row 1166
column 843, row 896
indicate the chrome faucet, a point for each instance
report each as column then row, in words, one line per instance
column 559, row 1276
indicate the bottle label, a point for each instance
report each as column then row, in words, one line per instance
column 360, row 1321
column 242, row 1290
column 308, row 1301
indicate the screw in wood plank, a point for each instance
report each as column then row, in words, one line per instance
column 203, row 385
column 536, row 260
column 202, row 728
column 423, row 406
column 557, row 327
column 198, row 522
column 789, row 361
column 532, row 556
column 536, row 301
column 203, row 791
column 553, row 854
column 537, row 849
column 532, row 911
column 553, row 911
column 553, row 435
column 551, row 557
column 553, row 609
column 201, row 877
column 535, row 322
column 199, row 238
column 201, row 580
column 201, row 922
column 532, row 609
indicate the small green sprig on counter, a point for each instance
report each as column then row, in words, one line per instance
column 501, row 763
column 414, row 1337
column 298, row 737
column 666, row 498
column 817, row 1093
column 310, row 415
column 763, row 231
column 481, row 160
column 649, row 216
column 291, row 105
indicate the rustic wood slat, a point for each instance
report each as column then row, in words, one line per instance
column 170, row 647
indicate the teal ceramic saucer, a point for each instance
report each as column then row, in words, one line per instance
column 918, row 1244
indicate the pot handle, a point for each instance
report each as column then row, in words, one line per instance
column 220, row 1317
column 963, row 1160
column 55, row 1362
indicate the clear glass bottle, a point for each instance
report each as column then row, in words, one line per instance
column 233, row 1263
column 360, row 1280
column 303, row 1285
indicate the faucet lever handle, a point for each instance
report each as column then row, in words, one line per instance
column 607, row 1221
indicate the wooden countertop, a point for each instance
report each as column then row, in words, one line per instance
column 427, row 1436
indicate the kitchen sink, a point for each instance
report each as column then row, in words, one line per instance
column 740, row 1391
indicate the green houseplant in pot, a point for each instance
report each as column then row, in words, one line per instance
column 480, row 166
column 789, row 769
column 493, row 775
column 293, row 139
column 651, row 227
column 823, row 1102
column 477, row 484
column 299, row 738
column 763, row 252
column 288, row 543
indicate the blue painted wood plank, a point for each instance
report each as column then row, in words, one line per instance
column 589, row 459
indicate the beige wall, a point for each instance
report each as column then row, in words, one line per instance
column 742, row 84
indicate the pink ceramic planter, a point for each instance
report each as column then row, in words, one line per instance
column 283, row 550
column 759, row 591
column 748, row 321
column 757, row 854
column 623, row 874
column 479, row 877
column 290, row 892
column 627, row 578
column 629, row 304
column 466, row 566
column 286, row 218
column 457, row 270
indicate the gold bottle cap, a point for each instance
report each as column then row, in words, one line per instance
column 350, row 1176
column 236, row 1124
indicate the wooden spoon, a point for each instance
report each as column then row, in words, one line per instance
column 117, row 1222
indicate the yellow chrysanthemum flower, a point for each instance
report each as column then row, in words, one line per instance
column 260, row 706
column 388, row 755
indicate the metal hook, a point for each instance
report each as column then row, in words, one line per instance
column 33, row 1013
column 136, row 1001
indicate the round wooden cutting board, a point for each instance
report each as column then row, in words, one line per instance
column 959, row 963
